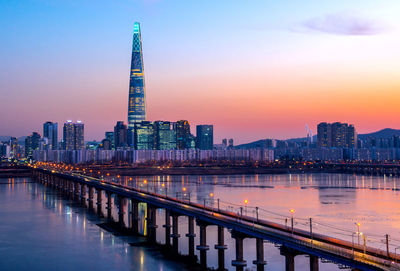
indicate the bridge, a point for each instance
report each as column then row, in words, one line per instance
column 290, row 240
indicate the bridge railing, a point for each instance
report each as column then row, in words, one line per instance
column 254, row 213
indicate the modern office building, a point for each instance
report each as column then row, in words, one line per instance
column 338, row 135
column 120, row 135
column 183, row 140
column 31, row 144
column 137, row 90
column 50, row 131
column 144, row 135
column 164, row 135
column 74, row 135
column 204, row 137
column 110, row 137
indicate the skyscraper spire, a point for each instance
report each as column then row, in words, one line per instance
column 137, row 90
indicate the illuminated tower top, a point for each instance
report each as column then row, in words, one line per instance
column 137, row 90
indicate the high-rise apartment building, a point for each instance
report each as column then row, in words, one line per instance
column 324, row 135
column 204, row 137
column 120, row 135
column 74, row 135
column 79, row 135
column 69, row 135
column 137, row 90
column 183, row 139
column 339, row 135
column 50, row 131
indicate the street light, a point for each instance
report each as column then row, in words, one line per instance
column 358, row 231
column 291, row 218
column 245, row 205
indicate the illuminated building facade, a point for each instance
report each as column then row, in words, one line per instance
column 73, row 135
column 164, row 135
column 338, row 135
column 144, row 135
column 137, row 90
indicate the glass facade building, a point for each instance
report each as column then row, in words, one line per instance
column 137, row 90
column 144, row 135
column 183, row 139
column 165, row 135
column 50, row 130
column 205, row 137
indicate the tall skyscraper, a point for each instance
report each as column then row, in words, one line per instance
column 79, row 135
column 164, row 135
column 324, row 135
column 137, row 90
column 69, row 135
column 120, row 135
column 74, row 135
column 204, row 137
column 182, row 128
column 144, row 135
column 50, row 131
column 31, row 144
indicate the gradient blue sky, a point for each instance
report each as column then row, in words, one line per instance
column 254, row 69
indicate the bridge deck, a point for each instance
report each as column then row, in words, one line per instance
column 334, row 249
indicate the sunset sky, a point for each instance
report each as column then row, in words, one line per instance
column 253, row 69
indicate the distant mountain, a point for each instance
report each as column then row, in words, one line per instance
column 263, row 143
column 384, row 133
column 21, row 140
column 4, row 138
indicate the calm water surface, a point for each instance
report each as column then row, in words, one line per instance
column 41, row 230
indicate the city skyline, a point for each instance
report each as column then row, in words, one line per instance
column 232, row 73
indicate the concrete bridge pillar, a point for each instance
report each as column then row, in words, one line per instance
column 239, row 262
column 76, row 191
column 66, row 187
column 175, row 235
column 91, row 196
column 99, row 202
column 314, row 263
column 260, row 255
column 221, row 249
column 289, row 257
column 83, row 194
column 71, row 189
column 121, row 211
column 191, row 235
column 151, row 223
column 167, row 227
column 203, row 247
column 135, row 216
column 109, row 206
